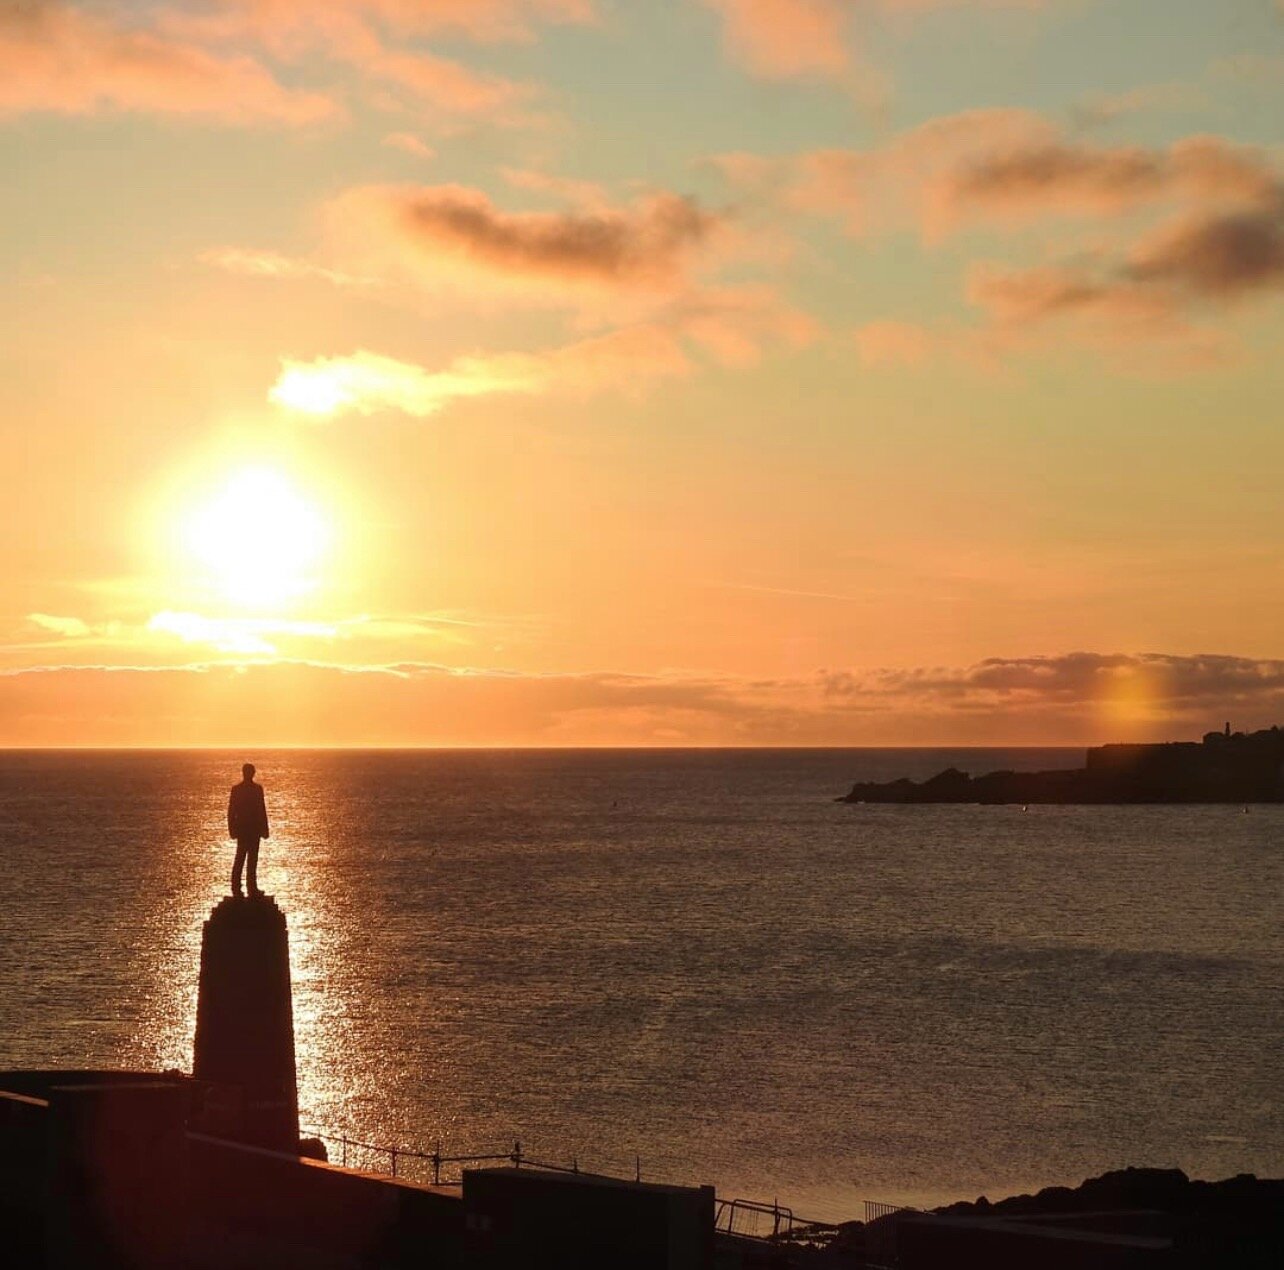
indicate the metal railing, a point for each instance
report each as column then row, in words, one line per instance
column 776, row 1223
column 742, row 1218
column 882, row 1233
column 354, row 1153
column 747, row 1217
column 873, row 1210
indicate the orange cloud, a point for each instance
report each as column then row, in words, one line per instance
column 1226, row 240
column 448, row 234
column 1073, row 697
column 54, row 57
column 373, row 37
column 1059, row 178
column 1022, row 296
column 1137, row 328
column 783, row 39
column 896, row 184
column 587, row 194
column 787, row 39
column 436, row 81
column 1217, row 255
column 1004, row 165
column 484, row 20
column 734, row 324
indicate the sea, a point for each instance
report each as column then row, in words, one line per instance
column 684, row 965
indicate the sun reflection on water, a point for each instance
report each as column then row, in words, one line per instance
column 615, row 955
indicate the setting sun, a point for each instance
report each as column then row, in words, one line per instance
column 259, row 539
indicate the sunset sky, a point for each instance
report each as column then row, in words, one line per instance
column 568, row 372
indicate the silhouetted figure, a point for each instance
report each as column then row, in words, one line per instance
column 247, row 822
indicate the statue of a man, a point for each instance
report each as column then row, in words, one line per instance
column 247, row 822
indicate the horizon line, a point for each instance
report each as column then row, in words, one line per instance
column 428, row 747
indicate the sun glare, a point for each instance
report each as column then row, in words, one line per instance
column 310, row 390
column 259, row 539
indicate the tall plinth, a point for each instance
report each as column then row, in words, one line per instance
column 245, row 1021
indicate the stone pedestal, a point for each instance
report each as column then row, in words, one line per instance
column 245, row 1020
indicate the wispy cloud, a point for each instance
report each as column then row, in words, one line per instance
column 1000, row 166
column 67, row 627
column 272, row 264
column 245, row 635
column 783, row 39
column 888, row 187
column 1060, row 178
column 59, row 58
column 731, row 326
column 1071, row 697
column 410, row 143
column 283, row 21
column 817, row 39
column 384, row 42
column 368, row 382
column 215, row 60
column 1211, row 211
column 361, row 635
column 1099, row 109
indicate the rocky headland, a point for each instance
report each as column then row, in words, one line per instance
column 1128, row 1218
column 1224, row 767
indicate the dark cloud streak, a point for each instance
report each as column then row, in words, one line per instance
column 1081, row 696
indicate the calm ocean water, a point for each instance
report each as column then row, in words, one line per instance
column 695, row 958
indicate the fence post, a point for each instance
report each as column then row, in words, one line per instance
column 394, row 1161
column 436, row 1165
column 517, row 1155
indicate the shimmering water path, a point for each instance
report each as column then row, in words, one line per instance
column 692, row 957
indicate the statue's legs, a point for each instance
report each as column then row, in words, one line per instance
column 247, row 853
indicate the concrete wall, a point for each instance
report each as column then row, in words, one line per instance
column 102, row 1174
column 115, row 1176
column 24, row 1131
column 92, row 1170
column 105, row 1175
column 253, row 1207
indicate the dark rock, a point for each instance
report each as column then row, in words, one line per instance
column 1223, row 768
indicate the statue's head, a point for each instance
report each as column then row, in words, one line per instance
column 247, row 770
